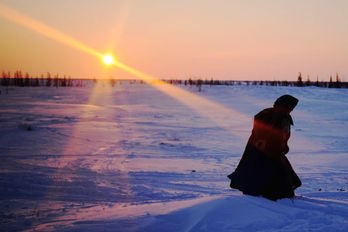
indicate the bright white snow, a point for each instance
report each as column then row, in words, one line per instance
column 130, row 158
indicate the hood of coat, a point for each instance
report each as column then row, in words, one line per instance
column 285, row 103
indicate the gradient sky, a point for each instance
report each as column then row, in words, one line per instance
column 228, row 39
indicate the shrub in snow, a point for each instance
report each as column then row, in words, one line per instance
column 25, row 126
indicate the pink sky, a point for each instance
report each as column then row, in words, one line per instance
column 182, row 39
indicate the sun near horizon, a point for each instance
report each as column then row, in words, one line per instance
column 108, row 59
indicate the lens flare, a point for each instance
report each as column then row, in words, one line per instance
column 45, row 30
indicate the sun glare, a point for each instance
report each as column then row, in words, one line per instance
column 108, row 59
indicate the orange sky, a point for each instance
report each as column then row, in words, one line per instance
column 182, row 39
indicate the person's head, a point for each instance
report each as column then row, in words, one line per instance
column 285, row 103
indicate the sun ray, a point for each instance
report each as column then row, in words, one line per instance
column 214, row 111
column 45, row 30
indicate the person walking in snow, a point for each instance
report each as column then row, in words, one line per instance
column 264, row 170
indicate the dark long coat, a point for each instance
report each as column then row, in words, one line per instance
column 264, row 169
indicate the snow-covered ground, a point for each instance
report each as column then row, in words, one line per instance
column 130, row 158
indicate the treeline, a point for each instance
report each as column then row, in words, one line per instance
column 22, row 80
column 337, row 83
column 26, row 80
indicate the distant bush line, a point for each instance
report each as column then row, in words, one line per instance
column 26, row 80
column 337, row 83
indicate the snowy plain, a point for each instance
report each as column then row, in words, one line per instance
column 131, row 158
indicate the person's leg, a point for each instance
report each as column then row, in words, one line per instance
column 280, row 185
